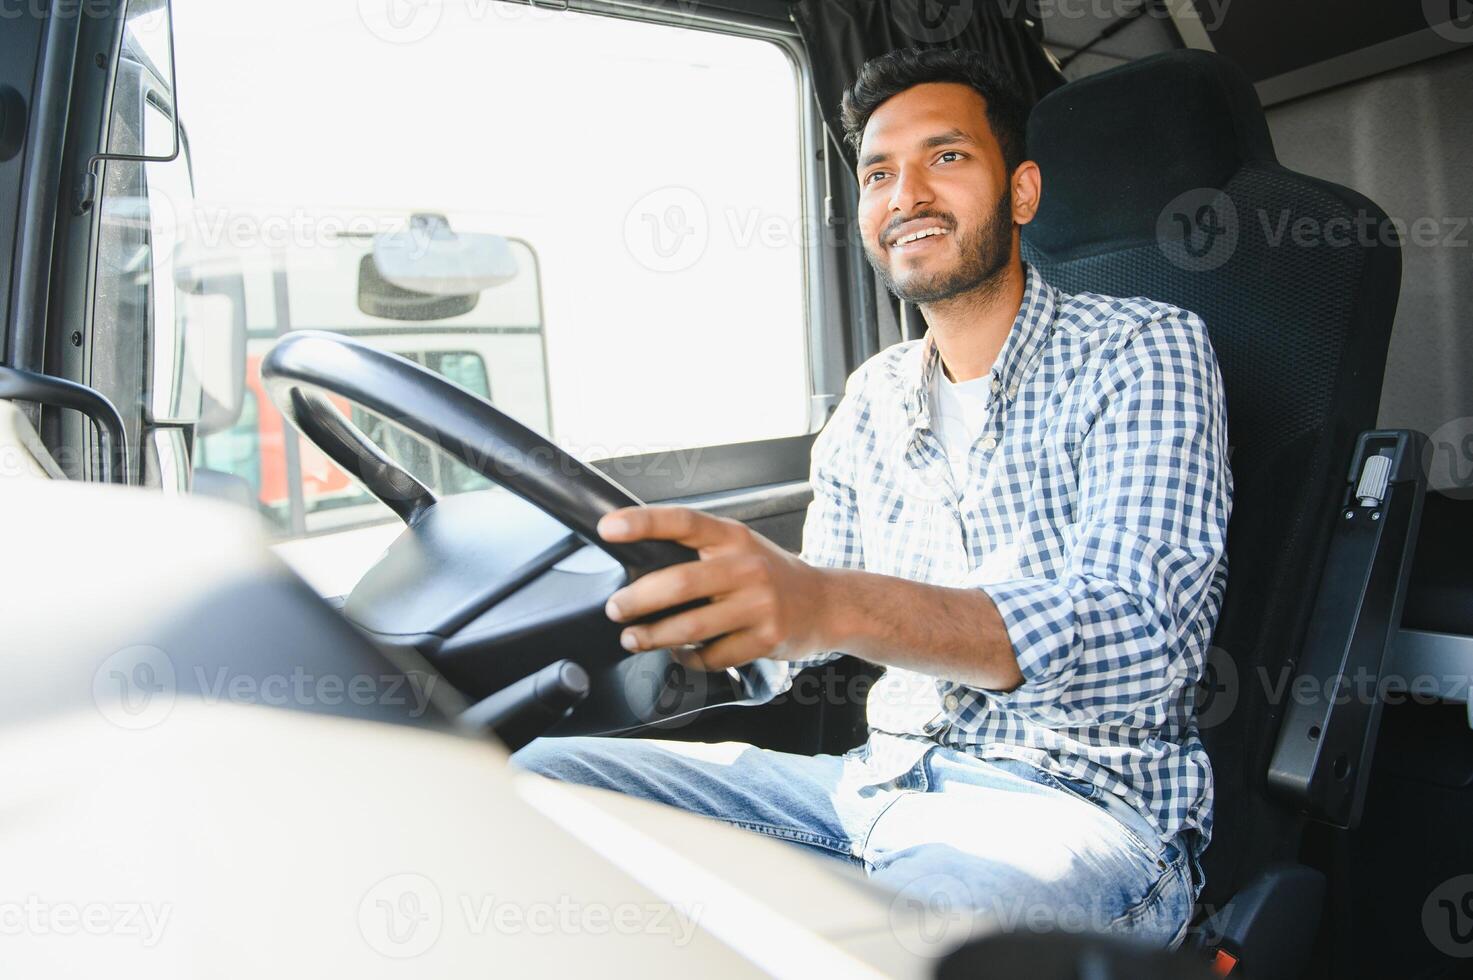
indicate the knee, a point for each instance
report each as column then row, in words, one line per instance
column 573, row 759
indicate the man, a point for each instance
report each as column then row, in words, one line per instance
column 1022, row 517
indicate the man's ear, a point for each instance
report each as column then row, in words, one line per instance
column 1027, row 191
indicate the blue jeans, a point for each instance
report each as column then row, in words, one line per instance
column 1020, row 848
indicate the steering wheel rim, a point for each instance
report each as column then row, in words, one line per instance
column 306, row 365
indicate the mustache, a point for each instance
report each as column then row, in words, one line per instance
column 946, row 218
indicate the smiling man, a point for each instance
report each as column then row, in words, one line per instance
column 1022, row 517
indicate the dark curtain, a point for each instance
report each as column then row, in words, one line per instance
column 841, row 35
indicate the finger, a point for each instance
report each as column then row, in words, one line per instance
column 732, row 650
column 676, row 585
column 692, row 626
column 681, row 524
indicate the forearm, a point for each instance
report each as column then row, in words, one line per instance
column 956, row 634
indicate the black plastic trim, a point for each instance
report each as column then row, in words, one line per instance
column 1322, row 760
column 41, row 188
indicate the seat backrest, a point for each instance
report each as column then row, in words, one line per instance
column 1160, row 180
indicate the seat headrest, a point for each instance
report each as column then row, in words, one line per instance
column 1117, row 147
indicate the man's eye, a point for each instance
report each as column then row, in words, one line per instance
column 950, row 153
column 870, row 177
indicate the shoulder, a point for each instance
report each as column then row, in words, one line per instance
column 888, row 370
column 881, row 381
column 873, row 402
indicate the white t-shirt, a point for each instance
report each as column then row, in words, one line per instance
column 958, row 414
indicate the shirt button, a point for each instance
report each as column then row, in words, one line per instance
column 989, row 444
column 951, row 702
column 996, row 386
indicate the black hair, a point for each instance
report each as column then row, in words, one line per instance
column 892, row 73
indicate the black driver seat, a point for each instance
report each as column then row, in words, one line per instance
column 1160, row 180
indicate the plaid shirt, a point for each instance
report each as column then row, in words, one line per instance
column 1093, row 514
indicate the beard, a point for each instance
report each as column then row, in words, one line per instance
column 981, row 267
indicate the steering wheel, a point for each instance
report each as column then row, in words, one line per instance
column 489, row 588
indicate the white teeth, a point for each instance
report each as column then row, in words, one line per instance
column 917, row 236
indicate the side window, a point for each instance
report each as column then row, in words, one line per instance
column 657, row 219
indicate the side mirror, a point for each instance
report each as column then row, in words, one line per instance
column 428, row 272
column 215, row 301
column 173, row 386
column 197, row 311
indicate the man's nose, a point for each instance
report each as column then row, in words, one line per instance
column 909, row 191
